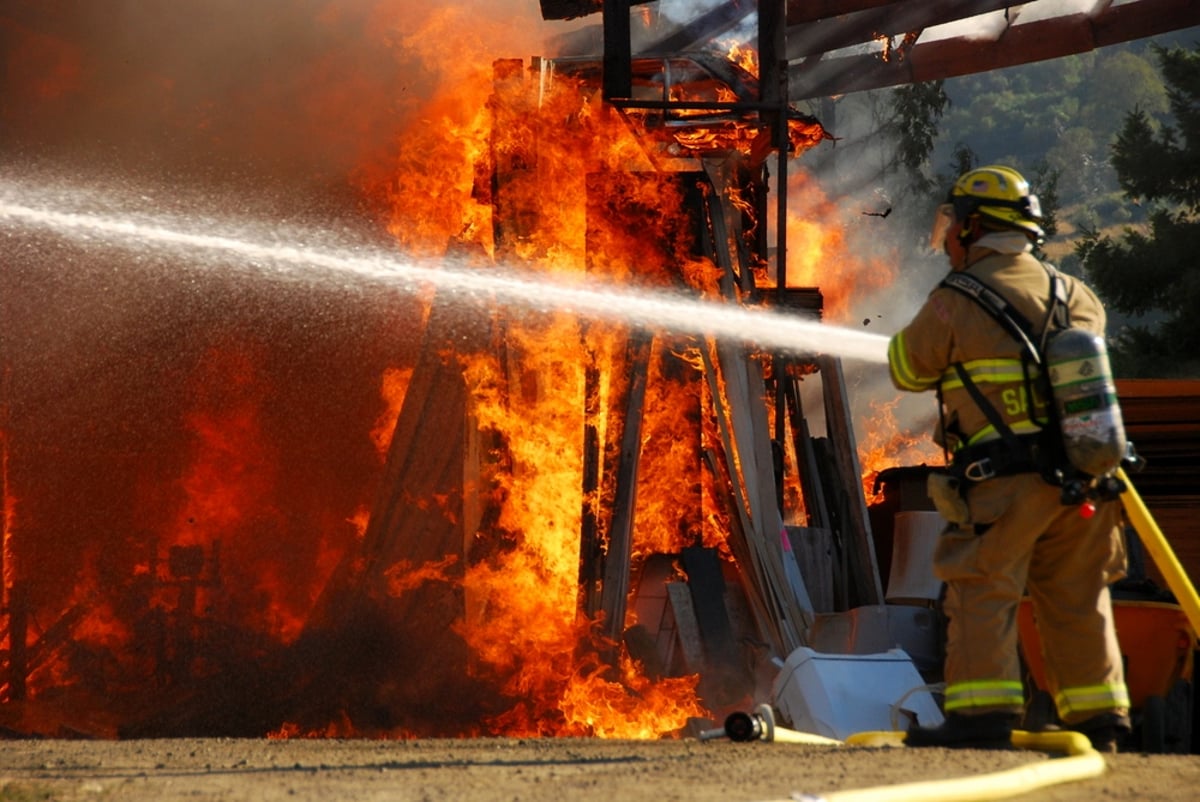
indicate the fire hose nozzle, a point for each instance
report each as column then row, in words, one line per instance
column 759, row 725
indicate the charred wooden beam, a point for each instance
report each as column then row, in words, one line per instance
column 615, row 214
column 512, row 158
column 615, row 593
column 762, row 609
column 802, row 444
column 424, row 461
column 800, row 11
column 744, row 386
column 706, row 584
column 618, row 50
column 591, row 536
column 572, row 9
column 844, row 30
column 1020, row 43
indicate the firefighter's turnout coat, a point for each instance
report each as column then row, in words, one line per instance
column 1019, row 534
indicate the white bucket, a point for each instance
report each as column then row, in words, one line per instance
column 837, row 695
column 914, row 537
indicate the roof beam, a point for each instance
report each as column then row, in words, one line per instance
column 801, row 11
column 570, row 9
column 1018, row 44
column 898, row 16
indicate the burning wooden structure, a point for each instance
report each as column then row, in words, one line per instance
column 714, row 584
column 774, row 522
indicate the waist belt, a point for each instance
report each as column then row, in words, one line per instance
column 994, row 458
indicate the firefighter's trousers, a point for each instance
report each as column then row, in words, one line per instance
column 1066, row 561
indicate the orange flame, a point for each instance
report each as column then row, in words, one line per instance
column 522, row 622
column 394, row 387
column 494, row 164
column 886, row 444
column 224, row 515
column 819, row 251
column 745, row 57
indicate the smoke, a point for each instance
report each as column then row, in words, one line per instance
column 991, row 25
column 121, row 373
column 885, row 228
column 301, row 91
column 682, row 12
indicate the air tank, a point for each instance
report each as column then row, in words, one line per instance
column 1085, row 397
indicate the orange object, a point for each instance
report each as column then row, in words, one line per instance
column 1156, row 644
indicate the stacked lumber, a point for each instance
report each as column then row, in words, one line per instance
column 1162, row 419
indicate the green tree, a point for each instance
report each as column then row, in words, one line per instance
column 1122, row 80
column 914, row 126
column 1073, row 157
column 1152, row 273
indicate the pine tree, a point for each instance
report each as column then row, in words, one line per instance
column 1153, row 274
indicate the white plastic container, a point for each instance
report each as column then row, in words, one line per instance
column 837, row 695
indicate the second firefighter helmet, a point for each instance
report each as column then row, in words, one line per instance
column 999, row 195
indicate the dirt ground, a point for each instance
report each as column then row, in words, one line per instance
column 529, row 770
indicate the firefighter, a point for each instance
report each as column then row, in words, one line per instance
column 1009, row 530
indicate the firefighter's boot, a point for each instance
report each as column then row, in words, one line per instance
column 962, row 731
column 1106, row 731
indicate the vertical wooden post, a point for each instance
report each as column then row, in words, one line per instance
column 839, row 426
column 591, row 545
column 618, row 50
column 620, row 537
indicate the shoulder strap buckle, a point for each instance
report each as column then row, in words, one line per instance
column 980, row 470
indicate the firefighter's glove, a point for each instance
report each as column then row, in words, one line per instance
column 946, row 493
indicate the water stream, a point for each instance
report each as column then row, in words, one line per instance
column 204, row 241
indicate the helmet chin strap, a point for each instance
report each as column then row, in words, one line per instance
column 956, row 246
column 968, row 232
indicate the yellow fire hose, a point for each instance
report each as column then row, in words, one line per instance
column 1160, row 551
column 1082, row 762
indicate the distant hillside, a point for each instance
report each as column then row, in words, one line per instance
column 1061, row 117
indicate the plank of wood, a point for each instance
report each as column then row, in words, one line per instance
column 839, row 426
column 707, row 586
column 690, row 644
column 591, row 541
column 813, row 547
column 614, row 595
column 815, row 503
column 424, row 462
column 745, row 391
column 748, row 571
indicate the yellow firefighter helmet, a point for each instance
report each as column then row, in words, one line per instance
column 1000, row 195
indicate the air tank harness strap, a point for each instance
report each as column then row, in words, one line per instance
column 1011, row 454
column 1004, row 457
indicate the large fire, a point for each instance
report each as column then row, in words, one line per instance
column 453, row 600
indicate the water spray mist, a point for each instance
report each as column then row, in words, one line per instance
column 655, row 311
